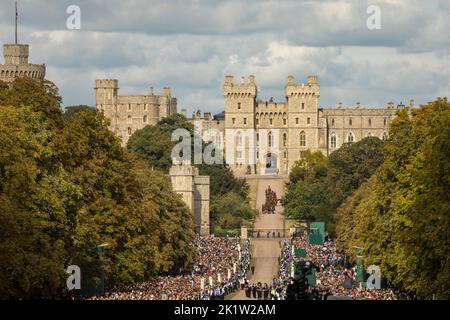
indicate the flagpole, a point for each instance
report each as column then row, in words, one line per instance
column 16, row 22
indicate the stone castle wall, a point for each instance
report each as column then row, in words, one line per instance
column 16, row 64
column 128, row 113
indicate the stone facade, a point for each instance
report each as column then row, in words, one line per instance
column 275, row 134
column 211, row 127
column 131, row 112
column 16, row 64
column 195, row 192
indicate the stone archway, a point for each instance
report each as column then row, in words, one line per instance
column 271, row 163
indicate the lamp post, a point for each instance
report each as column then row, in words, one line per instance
column 100, row 250
column 359, row 264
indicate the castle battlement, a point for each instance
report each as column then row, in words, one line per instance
column 311, row 88
column 243, row 89
column 16, row 64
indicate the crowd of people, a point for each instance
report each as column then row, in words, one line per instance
column 335, row 275
column 219, row 269
column 260, row 291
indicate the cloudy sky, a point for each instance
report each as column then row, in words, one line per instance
column 191, row 45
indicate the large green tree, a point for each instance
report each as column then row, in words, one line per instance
column 318, row 185
column 66, row 186
column 153, row 145
column 401, row 217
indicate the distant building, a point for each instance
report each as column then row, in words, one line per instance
column 128, row 113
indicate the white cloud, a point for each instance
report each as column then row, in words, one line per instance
column 191, row 45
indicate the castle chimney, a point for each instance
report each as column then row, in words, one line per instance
column 166, row 92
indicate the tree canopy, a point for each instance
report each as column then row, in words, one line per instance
column 66, row 186
column 153, row 145
column 318, row 185
column 401, row 216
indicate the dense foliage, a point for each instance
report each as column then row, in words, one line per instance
column 318, row 185
column 401, row 216
column 153, row 145
column 67, row 186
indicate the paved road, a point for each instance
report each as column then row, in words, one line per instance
column 266, row 251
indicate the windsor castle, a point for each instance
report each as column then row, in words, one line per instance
column 272, row 134
column 258, row 137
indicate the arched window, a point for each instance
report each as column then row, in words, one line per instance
column 302, row 139
column 284, row 139
column 145, row 119
column 333, row 141
column 270, row 139
column 350, row 137
column 129, row 131
column 130, row 120
column 238, row 139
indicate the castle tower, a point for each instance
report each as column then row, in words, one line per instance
column 194, row 190
column 106, row 91
column 240, row 104
column 302, row 104
column 16, row 62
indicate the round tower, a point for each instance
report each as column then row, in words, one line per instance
column 16, row 64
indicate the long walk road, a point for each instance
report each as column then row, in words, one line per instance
column 266, row 251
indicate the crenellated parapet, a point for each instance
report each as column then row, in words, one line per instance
column 16, row 64
column 245, row 89
column 302, row 90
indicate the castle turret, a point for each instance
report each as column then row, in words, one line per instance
column 106, row 91
column 240, row 102
column 16, row 62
